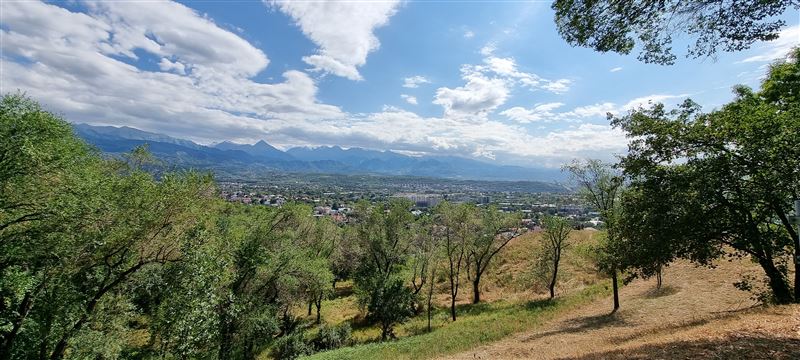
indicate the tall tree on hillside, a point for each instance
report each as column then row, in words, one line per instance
column 456, row 225
column 601, row 186
column 423, row 250
column 384, row 234
column 729, row 176
column 496, row 230
column 620, row 26
column 556, row 240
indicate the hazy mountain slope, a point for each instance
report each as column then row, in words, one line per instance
column 235, row 158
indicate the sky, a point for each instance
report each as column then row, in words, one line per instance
column 486, row 80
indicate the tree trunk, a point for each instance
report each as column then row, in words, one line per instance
column 226, row 335
column 310, row 304
column 319, row 307
column 555, row 275
column 476, row 289
column 615, row 286
column 658, row 278
column 777, row 281
column 429, row 312
column 24, row 308
column 453, row 307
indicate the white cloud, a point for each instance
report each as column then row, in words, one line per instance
column 540, row 112
column 409, row 99
column 415, row 81
column 469, row 34
column 476, row 99
column 488, row 49
column 489, row 85
column 343, row 30
column 72, row 66
column 595, row 110
column 545, row 113
column 618, row 68
column 650, row 99
column 83, row 66
column 778, row 48
column 559, row 86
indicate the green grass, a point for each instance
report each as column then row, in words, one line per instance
column 476, row 325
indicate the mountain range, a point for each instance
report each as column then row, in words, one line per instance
column 237, row 159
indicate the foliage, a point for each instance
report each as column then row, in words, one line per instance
column 456, row 226
column 332, row 337
column 601, row 185
column 725, row 178
column 383, row 232
column 495, row 231
column 619, row 26
column 291, row 346
column 555, row 237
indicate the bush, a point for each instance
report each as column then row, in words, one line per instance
column 291, row 346
column 332, row 337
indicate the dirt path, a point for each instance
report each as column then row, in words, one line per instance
column 697, row 314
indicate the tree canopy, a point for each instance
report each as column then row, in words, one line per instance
column 652, row 25
column 702, row 182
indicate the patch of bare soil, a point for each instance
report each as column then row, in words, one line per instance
column 696, row 314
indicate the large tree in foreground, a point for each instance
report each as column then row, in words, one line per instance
column 729, row 176
column 620, row 26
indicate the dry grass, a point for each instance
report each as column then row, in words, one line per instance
column 698, row 314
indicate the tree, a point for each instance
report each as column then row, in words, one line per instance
column 645, row 225
column 456, row 225
column 732, row 174
column 423, row 250
column 601, row 185
column 619, row 26
column 383, row 231
column 37, row 150
column 495, row 231
column 555, row 236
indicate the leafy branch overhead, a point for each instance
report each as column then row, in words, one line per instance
column 653, row 25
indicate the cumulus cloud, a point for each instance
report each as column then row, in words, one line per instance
column 476, row 99
column 88, row 66
column 415, row 81
column 74, row 65
column 409, row 99
column 343, row 30
column 488, row 86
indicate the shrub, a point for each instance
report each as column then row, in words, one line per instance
column 332, row 337
column 291, row 346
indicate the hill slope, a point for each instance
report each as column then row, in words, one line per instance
column 698, row 314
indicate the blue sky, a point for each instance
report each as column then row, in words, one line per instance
column 485, row 80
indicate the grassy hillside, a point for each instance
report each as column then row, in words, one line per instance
column 697, row 313
column 514, row 300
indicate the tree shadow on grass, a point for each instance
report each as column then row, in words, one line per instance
column 580, row 324
column 746, row 346
column 665, row 290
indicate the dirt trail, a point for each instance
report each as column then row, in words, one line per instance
column 697, row 314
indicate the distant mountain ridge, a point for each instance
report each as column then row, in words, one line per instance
column 233, row 158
